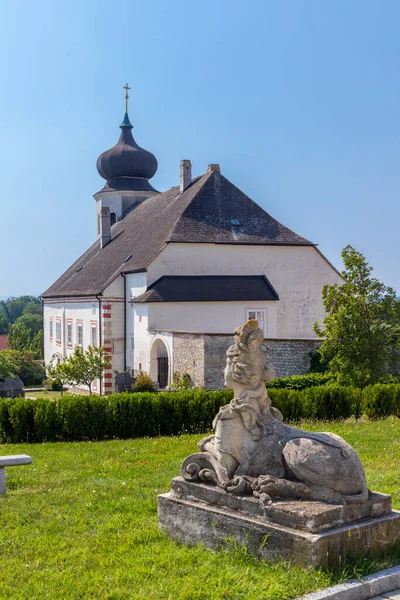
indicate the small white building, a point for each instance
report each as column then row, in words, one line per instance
column 172, row 274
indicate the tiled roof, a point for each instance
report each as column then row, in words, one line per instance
column 210, row 210
column 209, row 288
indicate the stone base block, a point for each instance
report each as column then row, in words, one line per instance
column 191, row 521
column 296, row 514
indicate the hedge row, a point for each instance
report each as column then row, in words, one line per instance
column 122, row 416
column 130, row 415
column 299, row 382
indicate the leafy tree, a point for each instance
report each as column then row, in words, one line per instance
column 19, row 337
column 13, row 308
column 23, row 365
column 362, row 325
column 33, row 309
column 3, row 323
column 8, row 365
column 81, row 367
column 26, row 334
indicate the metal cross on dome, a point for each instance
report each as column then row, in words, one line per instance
column 126, row 88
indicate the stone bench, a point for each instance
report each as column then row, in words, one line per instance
column 13, row 460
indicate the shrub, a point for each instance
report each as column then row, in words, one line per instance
column 56, row 385
column 379, row 400
column 31, row 372
column 181, row 381
column 143, row 383
column 299, row 382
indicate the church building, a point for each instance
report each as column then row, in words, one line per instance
column 172, row 274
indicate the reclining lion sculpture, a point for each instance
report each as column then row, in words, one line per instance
column 254, row 452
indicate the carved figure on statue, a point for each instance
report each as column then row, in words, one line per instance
column 254, row 452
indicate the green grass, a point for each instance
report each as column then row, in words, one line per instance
column 81, row 522
column 43, row 394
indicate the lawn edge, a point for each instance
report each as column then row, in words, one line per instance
column 360, row 589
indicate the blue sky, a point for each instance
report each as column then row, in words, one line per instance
column 299, row 101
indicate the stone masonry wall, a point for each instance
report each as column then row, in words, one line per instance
column 204, row 357
column 188, row 352
column 215, row 347
column 290, row 357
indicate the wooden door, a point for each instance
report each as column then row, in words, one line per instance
column 162, row 371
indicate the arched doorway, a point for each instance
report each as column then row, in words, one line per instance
column 162, row 365
column 159, row 363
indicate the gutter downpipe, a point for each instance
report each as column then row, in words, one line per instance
column 123, row 275
column 42, row 301
column 100, row 340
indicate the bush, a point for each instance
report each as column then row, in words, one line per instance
column 299, row 382
column 31, row 372
column 126, row 415
column 379, row 400
column 56, row 385
column 143, row 383
column 130, row 415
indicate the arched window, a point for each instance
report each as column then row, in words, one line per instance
column 113, row 218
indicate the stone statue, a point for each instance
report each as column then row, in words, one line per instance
column 254, row 452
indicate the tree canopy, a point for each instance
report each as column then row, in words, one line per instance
column 361, row 329
column 21, row 318
column 81, row 367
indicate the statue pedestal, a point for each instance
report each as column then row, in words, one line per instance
column 303, row 532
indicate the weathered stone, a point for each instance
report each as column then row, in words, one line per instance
column 11, row 387
column 191, row 521
column 12, row 460
column 258, row 479
column 304, row 515
column 123, row 382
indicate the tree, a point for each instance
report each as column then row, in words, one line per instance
column 8, row 366
column 81, row 367
column 26, row 334
column 13, row 308
column 14, row 362
column 362, row 325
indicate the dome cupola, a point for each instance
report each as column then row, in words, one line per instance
column 127, row 166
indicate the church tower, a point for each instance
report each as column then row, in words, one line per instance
column 127, row 168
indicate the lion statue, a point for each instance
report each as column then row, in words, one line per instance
column 254, row 452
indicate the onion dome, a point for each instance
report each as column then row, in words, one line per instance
column 127, row 166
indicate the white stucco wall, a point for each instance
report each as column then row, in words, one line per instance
column 296, row 272
column 74, row 311
column 208, row 317
column 136, row 323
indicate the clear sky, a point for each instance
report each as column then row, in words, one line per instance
column 299, row 101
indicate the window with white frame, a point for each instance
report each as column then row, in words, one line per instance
column 79, row 334
column 93, row 334
column 260, row 315
column 58, row 331
column 51, row 328
column 69, row 333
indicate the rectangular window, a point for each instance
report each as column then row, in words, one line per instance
column 51, row 329
column 258, row 314
column 93, row 334
column 79, row 333
column 69, row 333
column 58, row 330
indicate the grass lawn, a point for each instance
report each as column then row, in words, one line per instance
column 81, row 522
column 43, row 394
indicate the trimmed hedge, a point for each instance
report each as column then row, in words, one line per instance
column 381, row 400
column 130, row 415
column 324, row 403
column 299, row 382
column 122, row 416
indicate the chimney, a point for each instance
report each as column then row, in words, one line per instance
column 105, row 226
column 214, row 168
column 186, row 175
